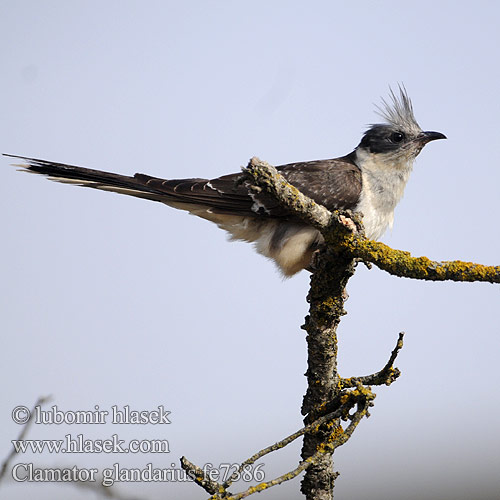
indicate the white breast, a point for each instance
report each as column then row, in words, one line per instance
column 383, row 186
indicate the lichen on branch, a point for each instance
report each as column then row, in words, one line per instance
column 330, row 399
column 336, row 232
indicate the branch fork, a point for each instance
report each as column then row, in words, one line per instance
column 331, row 399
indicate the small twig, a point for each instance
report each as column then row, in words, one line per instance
column 5, row 464
column 386, row 376
column 268, row 484
column 338, row 413
column 362, row 397
column 199, row 477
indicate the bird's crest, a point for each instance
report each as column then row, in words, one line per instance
column 398, row 112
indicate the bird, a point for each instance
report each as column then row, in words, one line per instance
column 370, row 180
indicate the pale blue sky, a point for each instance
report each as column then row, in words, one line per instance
column 112, row 300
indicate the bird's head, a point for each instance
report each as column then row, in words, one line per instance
column 400, row 139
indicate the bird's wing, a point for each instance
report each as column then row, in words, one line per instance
column 333, row 183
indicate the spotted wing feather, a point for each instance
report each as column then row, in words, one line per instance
column 333, row 183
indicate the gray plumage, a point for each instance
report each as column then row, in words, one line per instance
column 371, row 179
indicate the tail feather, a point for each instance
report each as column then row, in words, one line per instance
column 96, row 179
column 225, row 195
column 227, row 201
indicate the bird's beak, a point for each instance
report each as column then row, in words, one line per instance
column 426, row 137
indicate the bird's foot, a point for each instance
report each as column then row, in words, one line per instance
column 348, row 223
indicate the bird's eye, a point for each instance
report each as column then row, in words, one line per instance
column 397, row 137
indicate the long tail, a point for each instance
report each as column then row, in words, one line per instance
column 140, row 185
column 224, row 195
column 226, row 201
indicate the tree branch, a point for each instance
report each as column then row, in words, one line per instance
column 327, row 400
column 338, row 233
column 265, row 176
column 361, row 398
column 351, row 399
column 386, row 376
column 5, row 464
column 403, row 264
column 199, row 477
column 337, row 438
column 326, row 307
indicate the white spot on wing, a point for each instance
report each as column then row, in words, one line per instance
column 257, row 205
